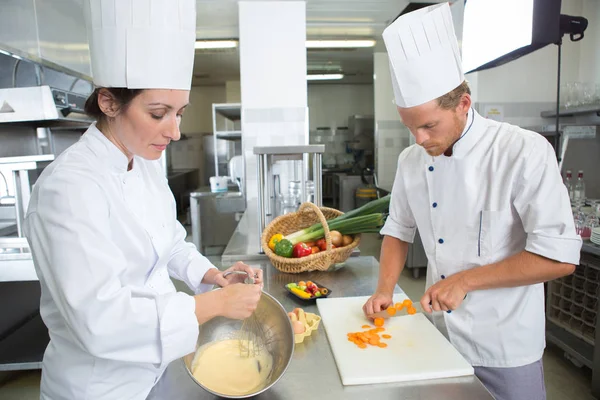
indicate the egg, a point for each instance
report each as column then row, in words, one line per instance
column 298, row 327
column 293, row 317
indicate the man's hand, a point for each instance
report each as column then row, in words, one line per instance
column 377, row 302
column 447, row 294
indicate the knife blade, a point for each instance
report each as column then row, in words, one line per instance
column 399, row 313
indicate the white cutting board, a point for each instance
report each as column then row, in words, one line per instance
column 416, row 351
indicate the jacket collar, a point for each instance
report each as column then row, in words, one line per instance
column 112, row 155
column 470, row 135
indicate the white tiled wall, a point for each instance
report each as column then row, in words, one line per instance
column 391, row 136
column 286, row 127
column 273, row 93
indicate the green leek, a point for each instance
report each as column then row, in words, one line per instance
column 350, row 226
column 372, row 207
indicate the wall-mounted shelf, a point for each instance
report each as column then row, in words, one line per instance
column 593, row 109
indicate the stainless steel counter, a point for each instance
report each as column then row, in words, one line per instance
column 244, row 243
column 313, row 372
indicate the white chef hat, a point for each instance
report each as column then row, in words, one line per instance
column 424, row 57
column 142, row 44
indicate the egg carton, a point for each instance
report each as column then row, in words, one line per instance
column 311, row 323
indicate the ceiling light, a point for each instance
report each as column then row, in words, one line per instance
column 216, row 44
column 324, row 77
column 332, row 44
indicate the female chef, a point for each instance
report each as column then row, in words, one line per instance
column 102, row 221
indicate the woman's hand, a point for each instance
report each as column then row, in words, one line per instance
column 256, row 274
column 239, row 300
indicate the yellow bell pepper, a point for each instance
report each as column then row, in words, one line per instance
column 274, row 239
column 301, row 293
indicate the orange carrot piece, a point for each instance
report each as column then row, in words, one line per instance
column 366, row 326
column 362, row 345
column 391, row 310
column 407, row 303
column 379, row 330
column 411, row 310
column 382, row 345
column 374, row 341
column 386, row 336
column 398, row 306
column 379, row 322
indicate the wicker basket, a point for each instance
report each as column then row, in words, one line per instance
column 307, row 215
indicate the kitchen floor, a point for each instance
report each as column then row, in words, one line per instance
column 564, row 380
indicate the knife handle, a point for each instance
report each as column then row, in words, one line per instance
column 449, row 311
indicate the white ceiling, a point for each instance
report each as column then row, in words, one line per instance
column 325, row 19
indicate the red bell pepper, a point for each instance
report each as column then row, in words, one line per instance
column 301, row 250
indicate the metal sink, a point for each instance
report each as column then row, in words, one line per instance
column 230, row 202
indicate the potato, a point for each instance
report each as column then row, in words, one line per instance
column 346, row 240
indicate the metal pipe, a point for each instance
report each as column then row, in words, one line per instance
column 14, row 74
column 317, row 167
column 261, row 193
column 5, row 183
column 557, row 140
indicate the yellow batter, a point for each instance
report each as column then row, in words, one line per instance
column 220, row 367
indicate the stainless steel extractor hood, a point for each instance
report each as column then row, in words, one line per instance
column 42, row 104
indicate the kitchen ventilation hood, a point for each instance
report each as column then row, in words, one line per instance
column 44, row 105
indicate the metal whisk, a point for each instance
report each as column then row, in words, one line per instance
column 252, row 335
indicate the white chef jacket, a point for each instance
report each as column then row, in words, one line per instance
column 498, row 194
column 104, row 242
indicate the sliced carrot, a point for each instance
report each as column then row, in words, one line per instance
column 362, row 345
column 386, row 336
column 351, row 340
column 373, row 341
column 366, row 327
column 391, row 310
column 379, row 330
column 379, row 322
column 407, row 303
column 382, row 345
column 398, row 306
column 411, row 310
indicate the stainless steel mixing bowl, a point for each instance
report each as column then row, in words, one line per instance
column 279, row 337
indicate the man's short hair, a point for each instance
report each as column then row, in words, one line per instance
column 451, row 100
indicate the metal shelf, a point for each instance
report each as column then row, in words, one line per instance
column 229, row 135
column 231, row 111
column 572, row 111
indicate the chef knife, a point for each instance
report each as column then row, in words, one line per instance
column 398, row 313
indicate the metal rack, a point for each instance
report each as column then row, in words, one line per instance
column 572, row 310
column 226, row 126
column 573, row 299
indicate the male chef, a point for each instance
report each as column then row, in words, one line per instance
column 489, row 204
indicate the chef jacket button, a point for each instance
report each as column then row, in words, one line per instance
column 434, row 205
column 431, row 168
column 440, row 241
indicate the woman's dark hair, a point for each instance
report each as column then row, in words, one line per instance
column 122, row 96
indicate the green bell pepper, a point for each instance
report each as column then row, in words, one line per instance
column 284, row 248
